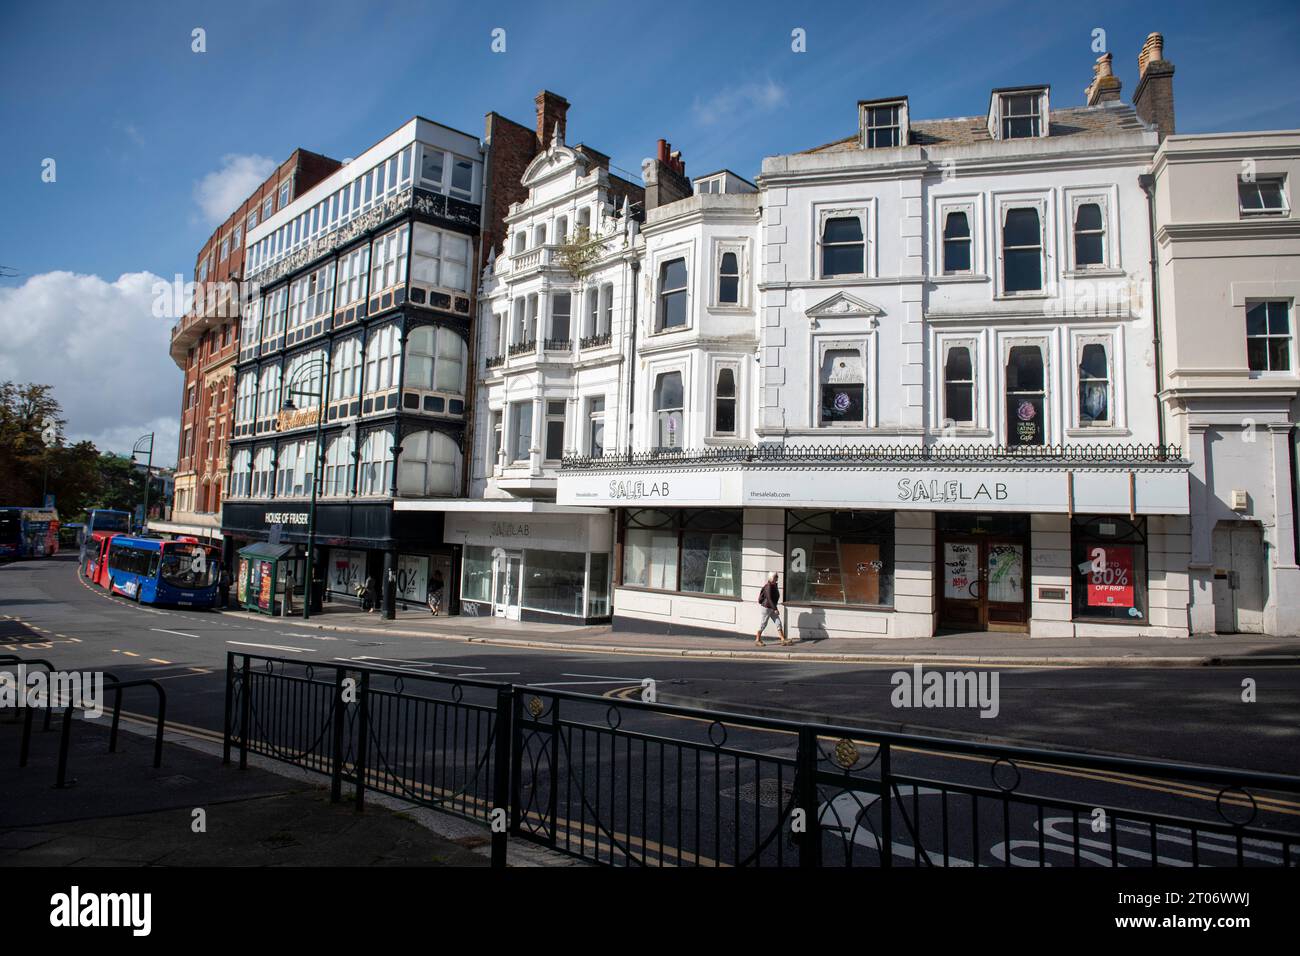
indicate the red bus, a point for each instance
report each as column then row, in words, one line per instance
column 96, row 549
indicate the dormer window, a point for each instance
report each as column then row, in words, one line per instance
column 883, row 123
column 1020, row 113
column 1020, row 118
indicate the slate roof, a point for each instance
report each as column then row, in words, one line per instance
column 965, row 130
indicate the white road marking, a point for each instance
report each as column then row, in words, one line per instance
column 399, row 660
column 274, row 647
column 604, row 677
column 163, row 630
column 575, row 683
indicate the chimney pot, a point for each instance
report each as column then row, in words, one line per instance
column 552, row 110
column 1153, row 99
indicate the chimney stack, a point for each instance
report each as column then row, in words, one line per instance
column 1154, row 97
column 551, row 112
column 1105, row 85
column 665, row 177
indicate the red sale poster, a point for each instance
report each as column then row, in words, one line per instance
column 1110, row 582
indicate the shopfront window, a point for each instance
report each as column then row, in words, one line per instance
column 700, row 548
column 840, row 557
column 598, row 588
column 1110, row 568
column 553, row 581
column 476, row 575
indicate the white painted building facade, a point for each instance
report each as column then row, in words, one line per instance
column 1229, row 253
column 950, row 418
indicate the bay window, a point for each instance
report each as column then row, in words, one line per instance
column 429, row 464
column 340, row 466
column 521, row 438
column 388, row 260
column 668, row 409
column 376, row 463
column 672, row 295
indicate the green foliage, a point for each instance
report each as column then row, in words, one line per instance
column 77, row 475
column 579, row 252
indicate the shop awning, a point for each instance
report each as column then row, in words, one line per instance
column 262, row 549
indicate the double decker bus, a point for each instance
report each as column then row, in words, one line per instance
column 153, row 571
column 101, row 524
column 28, row 532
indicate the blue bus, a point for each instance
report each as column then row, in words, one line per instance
column 28, row 532
column 154, row 571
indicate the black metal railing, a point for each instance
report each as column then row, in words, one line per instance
column 625, row 782
column 494, row 361
column 519, row 348
column 594, row 341
column 773, row 454
column 558, row 345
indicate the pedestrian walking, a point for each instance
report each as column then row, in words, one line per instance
column 436, row 587
column 770, row 599
column 224, row 585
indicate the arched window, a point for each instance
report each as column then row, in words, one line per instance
column 539, row 235
column 562, row 229
column 959, row 386
column 240, row 477
column 956, row 243
column 429, row 465
column 302, row 378
column 435, row 360
column 1089, row 236
column 729, row 279
column 724, row 402
column 262, row 472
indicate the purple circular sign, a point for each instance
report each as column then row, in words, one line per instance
column 1026, row 412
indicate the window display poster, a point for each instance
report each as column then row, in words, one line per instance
column 265, row 578
column 347, row 569
column 960, row 569
column 1110, row 580
column 243, row 580
column 413, row 578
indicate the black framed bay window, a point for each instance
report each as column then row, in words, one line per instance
column 1110, row 568
column 839, row 557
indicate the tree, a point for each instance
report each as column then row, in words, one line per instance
column 31, row 429
column 579, row 252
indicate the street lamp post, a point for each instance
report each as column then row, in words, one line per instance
column 322, row 396
column 145, row 444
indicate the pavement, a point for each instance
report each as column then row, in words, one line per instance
column 976, row 648
column 121, row 812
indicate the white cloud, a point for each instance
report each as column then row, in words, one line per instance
column 103, row 351
column 221, row 193
column 735, row 102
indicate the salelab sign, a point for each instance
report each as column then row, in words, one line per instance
column 1027, row 490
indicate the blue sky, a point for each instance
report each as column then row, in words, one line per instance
column 135, row 120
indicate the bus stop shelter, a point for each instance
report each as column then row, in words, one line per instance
column 265, row 572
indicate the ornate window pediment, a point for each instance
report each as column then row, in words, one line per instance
column 844, row 306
